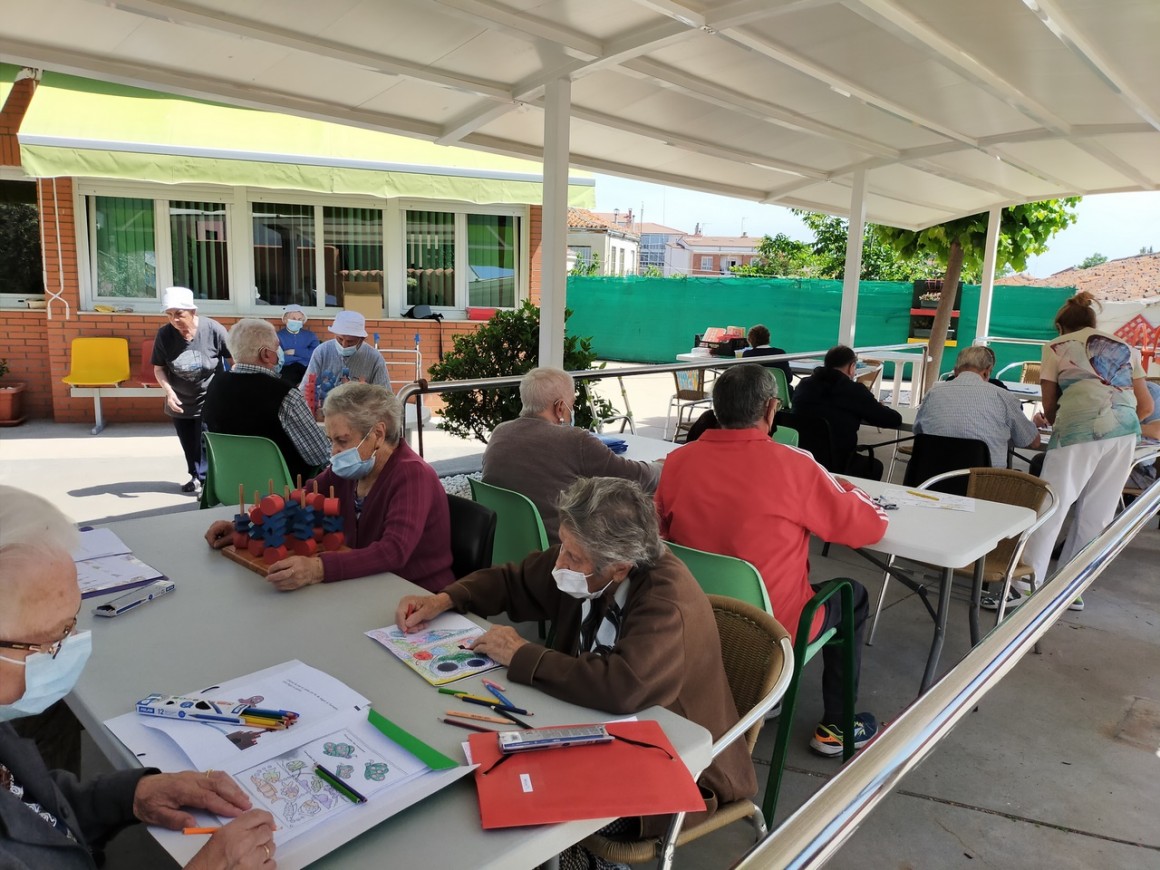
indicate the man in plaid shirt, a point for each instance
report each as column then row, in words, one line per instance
column 970, row 407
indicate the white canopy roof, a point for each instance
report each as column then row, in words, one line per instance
column 951, row 107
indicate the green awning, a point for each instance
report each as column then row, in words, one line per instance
column 88, row 129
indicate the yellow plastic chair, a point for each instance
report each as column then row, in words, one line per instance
column 96, row 363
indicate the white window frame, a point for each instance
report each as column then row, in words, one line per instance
column 461, row 210
column 706, row 263
column 239, row 203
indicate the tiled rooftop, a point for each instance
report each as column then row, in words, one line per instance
column 1120, row 280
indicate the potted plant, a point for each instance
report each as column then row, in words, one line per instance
column 11, row 400
column 929, row 300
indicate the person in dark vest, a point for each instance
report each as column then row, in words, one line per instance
column 251, row 399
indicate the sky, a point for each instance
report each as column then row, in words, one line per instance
column 1114, row 224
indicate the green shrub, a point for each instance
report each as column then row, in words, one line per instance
column 508, row 344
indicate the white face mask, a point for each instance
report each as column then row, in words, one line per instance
column 48, row 679
column 575, row 584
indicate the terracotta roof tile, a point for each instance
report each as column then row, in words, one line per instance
column 1120, row 280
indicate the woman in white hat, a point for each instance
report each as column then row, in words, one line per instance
column 187, row 353
column 298, row 344
column 345, row 358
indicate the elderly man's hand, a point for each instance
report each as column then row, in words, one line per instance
column 499, row 644
column 295, row 572
column 415, row 611
column 220, row 534
column 246, row 843
column 158, row 799
column 172, row 401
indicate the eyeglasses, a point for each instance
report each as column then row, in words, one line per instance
column 50, row 649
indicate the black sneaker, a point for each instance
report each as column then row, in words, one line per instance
column 190, row 485
column 827, row 739
column 991, row 602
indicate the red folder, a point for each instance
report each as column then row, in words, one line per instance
column 599, row 781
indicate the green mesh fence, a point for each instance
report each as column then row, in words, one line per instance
column 651, row 320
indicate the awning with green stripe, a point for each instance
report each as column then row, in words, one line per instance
column 83, row 128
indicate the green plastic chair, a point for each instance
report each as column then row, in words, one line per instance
column 234, row 460
column 518, row 527
column 724, row 575
column 803, row 650
column 782, row 389
column 786, row 435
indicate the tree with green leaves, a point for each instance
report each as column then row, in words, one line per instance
column 780, row 257
column 880, row 260
column 21, row 268
column 1024, row 230
column 1095, row 259
column 508, row 344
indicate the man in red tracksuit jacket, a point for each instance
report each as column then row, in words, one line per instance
column 735, row 491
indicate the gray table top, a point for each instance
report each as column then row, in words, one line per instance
column 224, row 621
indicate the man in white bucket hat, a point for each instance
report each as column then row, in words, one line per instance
column 346, row 357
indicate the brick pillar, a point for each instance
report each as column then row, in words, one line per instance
column 12, row 115
column 535, row 237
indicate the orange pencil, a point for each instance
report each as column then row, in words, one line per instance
column 496, row 720
column 200, row 830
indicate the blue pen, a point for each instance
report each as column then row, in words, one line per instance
column 502, row 699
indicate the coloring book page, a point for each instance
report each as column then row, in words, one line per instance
column 436, row 652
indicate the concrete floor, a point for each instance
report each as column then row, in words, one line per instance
column 1058, row 767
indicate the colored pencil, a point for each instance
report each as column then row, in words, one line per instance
column 347, row 791
column 466, row 725
column 476, row 717
column 200, row 830
column 492, row 705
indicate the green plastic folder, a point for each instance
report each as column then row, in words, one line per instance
column 433, row 758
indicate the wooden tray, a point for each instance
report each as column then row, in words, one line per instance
column 256, row 563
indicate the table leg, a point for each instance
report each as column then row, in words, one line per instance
column 940, row 625
column 896, row 396
column 976, row 594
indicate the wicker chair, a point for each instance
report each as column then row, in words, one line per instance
column 758, row 660
column 1003, row 564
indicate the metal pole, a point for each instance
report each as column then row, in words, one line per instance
column 554, row 242
column 853, row 259
column 987, row 288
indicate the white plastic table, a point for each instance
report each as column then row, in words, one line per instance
column 945, row 539
column 224, row 621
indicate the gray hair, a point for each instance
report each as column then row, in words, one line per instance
column 365, row 405
column 27, row 519
column 542, row 387
column 740, row 395
column 975, row 358
column 613, row 520
column 248, row 336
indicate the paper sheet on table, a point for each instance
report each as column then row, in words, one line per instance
column 94, row 543
column 314, row 695
column 435, row 653
column 934, row 501
column 113, row 573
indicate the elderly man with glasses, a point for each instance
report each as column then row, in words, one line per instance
column 49, row 818
column 736, row 492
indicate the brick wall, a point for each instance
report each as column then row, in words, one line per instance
column 11, row 115
column 37, row 347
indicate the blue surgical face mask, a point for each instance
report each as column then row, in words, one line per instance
column 347, row 352
column 350, row 465
column 281, row 361
column 48, row 679
column 294, row 325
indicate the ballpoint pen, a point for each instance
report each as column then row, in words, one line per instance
column 494, row 689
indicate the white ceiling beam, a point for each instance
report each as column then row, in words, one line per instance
column 839, row 84
column 182, row 13
column 887, row 16
column 690, row 143
column 682, row 12
column 513, row 148
column 1072, row 36
column 705, row 90
column 497, row 16
column 472, row 120
column 742, row 12
column 189, row 84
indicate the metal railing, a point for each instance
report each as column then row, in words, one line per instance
column 422, row 387
column 818, row 829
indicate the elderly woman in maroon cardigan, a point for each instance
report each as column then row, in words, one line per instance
column 394, row 508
